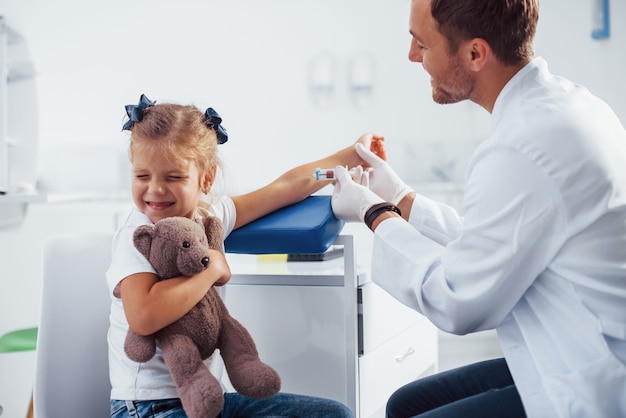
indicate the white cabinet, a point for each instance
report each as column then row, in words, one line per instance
column 399, row 345
column 328, row 330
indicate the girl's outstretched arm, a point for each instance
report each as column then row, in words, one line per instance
column 299, row 182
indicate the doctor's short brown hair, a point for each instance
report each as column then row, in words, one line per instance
column 508, row 26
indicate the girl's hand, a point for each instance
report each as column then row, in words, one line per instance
column 218, row 269
column 374, row 143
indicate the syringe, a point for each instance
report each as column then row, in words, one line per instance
column 328, row 173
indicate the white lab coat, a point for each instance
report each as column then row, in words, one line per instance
column 540, row 253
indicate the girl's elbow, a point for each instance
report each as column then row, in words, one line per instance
column 144, row 332
column 142, row 326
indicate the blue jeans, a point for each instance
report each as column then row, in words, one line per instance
column 237, row 406
column 480, row 390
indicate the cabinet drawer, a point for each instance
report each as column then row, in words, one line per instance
column 381, row 317
column 409, row 355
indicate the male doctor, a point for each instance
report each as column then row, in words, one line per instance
column 539, row 252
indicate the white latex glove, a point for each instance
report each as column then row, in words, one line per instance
column 360, row 176
column 382, row 179
column 351, row 200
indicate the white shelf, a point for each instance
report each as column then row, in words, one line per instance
column 36, row 197
column 23, row 198
column 51, row 198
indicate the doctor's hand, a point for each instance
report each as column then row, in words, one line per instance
column 351, row 198
column 382, row 179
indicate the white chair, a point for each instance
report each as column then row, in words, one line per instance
column 71, row 372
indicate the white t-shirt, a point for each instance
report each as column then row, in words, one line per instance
column 151, row 380
column 540, row 252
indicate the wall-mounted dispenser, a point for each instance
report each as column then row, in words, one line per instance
column 322, row 74
column 361, row 80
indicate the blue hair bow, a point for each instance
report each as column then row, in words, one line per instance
column 135, row 112
column 213, row 121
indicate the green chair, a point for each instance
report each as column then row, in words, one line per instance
column 20, row 340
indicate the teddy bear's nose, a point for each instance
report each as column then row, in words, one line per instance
column 205, row 261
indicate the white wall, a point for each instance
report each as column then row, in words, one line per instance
column 251, row 60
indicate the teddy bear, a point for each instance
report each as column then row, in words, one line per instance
column 178, row 246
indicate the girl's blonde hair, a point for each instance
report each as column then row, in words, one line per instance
column 181, row 132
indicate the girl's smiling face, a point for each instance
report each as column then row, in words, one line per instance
column 164, row 187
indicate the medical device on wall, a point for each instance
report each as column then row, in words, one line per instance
column 4, row 141
column 601, row 19
column 19, row 132
column 18, row 115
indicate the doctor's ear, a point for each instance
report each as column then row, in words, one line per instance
column 478, row 51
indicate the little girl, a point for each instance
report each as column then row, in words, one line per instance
column 173, row 151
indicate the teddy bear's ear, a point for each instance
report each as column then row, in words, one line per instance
column 142, row 238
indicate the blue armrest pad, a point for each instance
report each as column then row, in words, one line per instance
column 307, row 227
